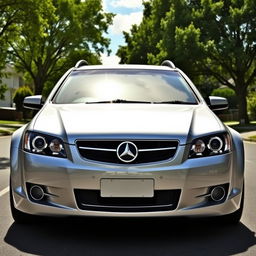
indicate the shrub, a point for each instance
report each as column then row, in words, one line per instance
column 227, row 93
column 251, row 105
column 19, row 96
column 3, row 89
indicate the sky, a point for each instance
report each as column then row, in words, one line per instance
column 127, row 13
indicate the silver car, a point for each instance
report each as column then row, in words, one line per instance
column 126, row 141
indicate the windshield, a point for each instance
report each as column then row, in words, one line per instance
column 125, row 86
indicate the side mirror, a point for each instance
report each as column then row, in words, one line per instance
column 33, row 102
column 217, row 103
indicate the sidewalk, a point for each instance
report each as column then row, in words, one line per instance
column 246, row 136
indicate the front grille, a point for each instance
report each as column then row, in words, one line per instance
column 163, row 200
column 148, row 151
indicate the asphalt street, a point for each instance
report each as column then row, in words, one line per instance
column 119, row 237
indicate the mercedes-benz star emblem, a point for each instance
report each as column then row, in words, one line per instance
column 127, row 152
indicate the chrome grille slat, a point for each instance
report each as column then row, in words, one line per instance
column 99, row 149
column 156, row 149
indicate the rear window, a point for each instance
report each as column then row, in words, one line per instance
column 151, row 86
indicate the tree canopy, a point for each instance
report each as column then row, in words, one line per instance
column 50, row 34
column 206, row 38
column 12, row 14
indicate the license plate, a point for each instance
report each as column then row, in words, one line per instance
column 127, row 188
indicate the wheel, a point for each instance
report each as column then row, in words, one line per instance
column 18, row 216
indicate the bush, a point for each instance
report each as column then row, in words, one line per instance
column 18, row 98
column 227, row 93
column 3, row 89
column 251, row 106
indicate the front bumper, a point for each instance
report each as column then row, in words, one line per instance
column 193, row 177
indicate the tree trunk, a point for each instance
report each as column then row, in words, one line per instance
column 39, row 84
column 241, row 93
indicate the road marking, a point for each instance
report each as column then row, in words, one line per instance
column 4, row 191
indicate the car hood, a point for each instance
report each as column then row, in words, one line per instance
column 126, row 121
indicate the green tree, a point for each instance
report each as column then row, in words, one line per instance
column 13, row 14
column 142, row 39
column 220, row 40
column 210, row 38
column 41, row 45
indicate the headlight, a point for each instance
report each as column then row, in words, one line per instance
column 210, row 145
column 44, row 144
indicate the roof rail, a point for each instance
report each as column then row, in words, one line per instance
column 81, row 63
column 168, row 63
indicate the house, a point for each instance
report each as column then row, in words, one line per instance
column 13, row 80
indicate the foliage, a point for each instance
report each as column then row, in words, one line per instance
column 205, row 85
column 3, row 89
column 203, row 37
column 252, row 105
column 13, row 15
column 142, row 40
column 227, row 93
column 51, row 31
column 19, row 96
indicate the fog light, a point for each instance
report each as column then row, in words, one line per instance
column 36, row 193
column 218, row 194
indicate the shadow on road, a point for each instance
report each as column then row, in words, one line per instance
column 4, row 162
column 130, row 237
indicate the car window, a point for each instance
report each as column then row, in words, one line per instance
column 120, row 85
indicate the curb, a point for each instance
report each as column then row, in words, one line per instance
column 249, row 140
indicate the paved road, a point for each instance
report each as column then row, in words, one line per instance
column 117, row 237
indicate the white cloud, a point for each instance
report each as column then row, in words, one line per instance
column 104, row 5
column 127, row 3
column 109, row 60
column 124, row 22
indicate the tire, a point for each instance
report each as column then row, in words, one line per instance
column 18, row 216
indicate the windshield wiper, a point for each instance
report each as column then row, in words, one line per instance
column 175, row 102
column 117, row 101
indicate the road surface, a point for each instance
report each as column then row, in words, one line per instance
column 118, row 237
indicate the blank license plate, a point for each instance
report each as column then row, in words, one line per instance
column 127, row 188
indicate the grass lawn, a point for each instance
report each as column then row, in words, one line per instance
column 12, row 122
column 243, row 127
column 8, row 127
column 4, row 132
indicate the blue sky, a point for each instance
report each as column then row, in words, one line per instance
column 127, row 12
